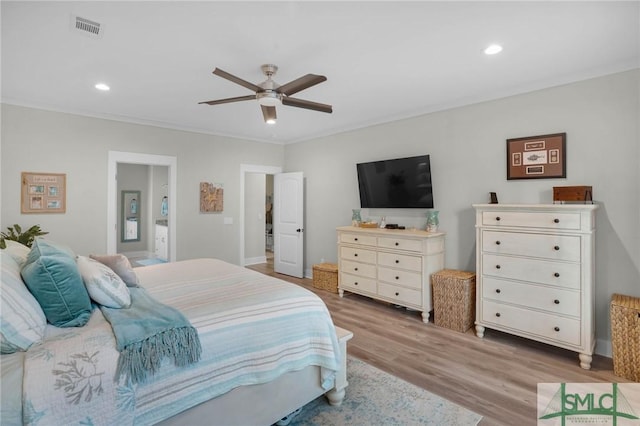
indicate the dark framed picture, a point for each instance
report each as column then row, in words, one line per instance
column 537, row 157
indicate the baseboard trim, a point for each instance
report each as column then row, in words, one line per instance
column 255, row 260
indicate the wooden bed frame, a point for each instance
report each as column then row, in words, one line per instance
column 267, row 403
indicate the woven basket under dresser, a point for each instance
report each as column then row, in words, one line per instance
column 625, row 336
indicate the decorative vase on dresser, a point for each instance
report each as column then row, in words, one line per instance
column 535, row 273
column 392, row 265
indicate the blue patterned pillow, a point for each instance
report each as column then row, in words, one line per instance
column 22, row 321
column 55, row 282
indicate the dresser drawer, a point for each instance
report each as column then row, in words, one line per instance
column 364, row 240
column 548, row 220
column 400, row 277
column 348, row 281
column 557, row 247
column 358, row 254
column 404, row 296
column 400, row 244
column 548, row 326
column 357, row 268
column 552, row 299
column 540, row 271
column 412, row 263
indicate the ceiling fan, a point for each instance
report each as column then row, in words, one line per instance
column 269, row 93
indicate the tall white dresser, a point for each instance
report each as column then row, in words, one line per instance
column 392, row 265
column 535, row 273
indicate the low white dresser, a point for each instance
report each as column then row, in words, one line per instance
column 535, row 273
column 392, row 265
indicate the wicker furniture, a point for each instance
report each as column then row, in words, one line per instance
column 625, row 336
column 535, row 267
column 454, row 299
column 325, row 277
column 392, row 265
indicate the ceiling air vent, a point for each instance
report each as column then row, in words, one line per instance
column 86, row 26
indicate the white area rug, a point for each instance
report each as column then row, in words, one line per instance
column 378, row 398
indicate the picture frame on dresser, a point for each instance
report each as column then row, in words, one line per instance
column 537, row 157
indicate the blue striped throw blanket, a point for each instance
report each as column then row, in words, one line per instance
column 146, row 333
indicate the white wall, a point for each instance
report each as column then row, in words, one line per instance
column 468, row 160
column 44, row 141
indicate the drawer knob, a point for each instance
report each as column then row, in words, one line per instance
column 498, row 242
column 556, row 275
column 356, row 283
column 355, row 269
column 497, row 290
column 556, row 248
column 497, row 266
column 397, row 294
column 355, row 239
column 397, row 243
column 556, row 220
column 498, row 314
column 355, row 254
column 397, row 261
column 557, row 302
column 498, row 218
column 397, row 277
column 556, row 328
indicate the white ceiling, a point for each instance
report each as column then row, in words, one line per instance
column 383, row 60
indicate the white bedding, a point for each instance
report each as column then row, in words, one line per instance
column 252, row 327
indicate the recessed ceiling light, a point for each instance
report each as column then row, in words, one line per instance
column 102, row 86
column 271, row 121
column 493, row 49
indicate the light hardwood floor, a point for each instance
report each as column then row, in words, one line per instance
column 495, row 376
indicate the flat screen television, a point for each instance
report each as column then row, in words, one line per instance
column 396, row 183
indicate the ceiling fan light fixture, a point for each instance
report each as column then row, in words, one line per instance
column 493, row 49
column 268, row 98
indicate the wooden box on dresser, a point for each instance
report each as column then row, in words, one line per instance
column 535, row 273
column 393, row 265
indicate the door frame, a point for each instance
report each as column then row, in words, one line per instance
column 244, row 169
column 116, row 157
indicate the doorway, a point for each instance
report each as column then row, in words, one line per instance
column 248, row 213
column 117, row 158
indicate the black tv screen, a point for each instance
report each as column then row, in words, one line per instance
column 397, row 183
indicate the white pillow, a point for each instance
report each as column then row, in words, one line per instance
column 103, row 285
column 120, row 265
column 18, row 251
column 22, row 321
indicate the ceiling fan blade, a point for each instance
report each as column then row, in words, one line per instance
column 228, row 100
column 269, row 114
column 301, row 83
column 237, row 80
column 301, row 103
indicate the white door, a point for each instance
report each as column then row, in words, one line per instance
column 288, row 226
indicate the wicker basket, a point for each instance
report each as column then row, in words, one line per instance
column 625, row 336
column 454, row 299
column 325, row 276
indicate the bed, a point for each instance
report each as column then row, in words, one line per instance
column 268, row 348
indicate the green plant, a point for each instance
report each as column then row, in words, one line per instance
column 15, row 234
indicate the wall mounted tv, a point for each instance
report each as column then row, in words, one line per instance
column 397, row 183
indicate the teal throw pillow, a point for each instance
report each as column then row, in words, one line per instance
column 42, row 247
column 56, row 283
